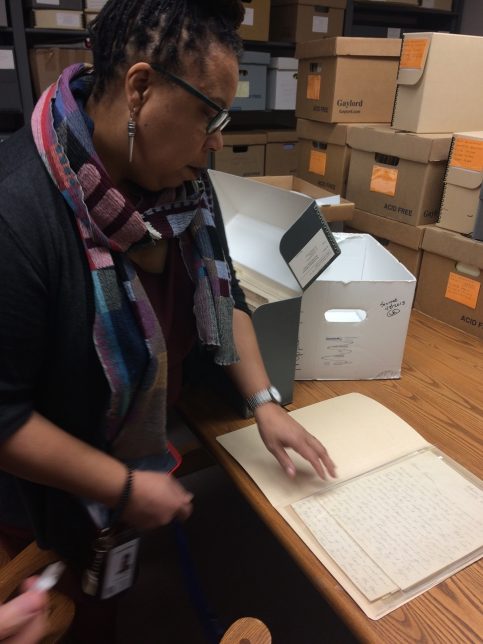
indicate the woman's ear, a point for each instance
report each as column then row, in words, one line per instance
column 137, row 83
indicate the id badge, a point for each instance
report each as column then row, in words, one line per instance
column 113, row 564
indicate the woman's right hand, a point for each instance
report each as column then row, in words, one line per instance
column 23, row 620
column 156, row 499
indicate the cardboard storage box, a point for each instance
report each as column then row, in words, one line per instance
column 51, row 19
column 89, row 16
column 251, row 92
column 441, row 5
column 450, row 286
column 463, row 183
column 256, row 22
column 301, row 21
column 478, row 229
column 47, row 63
column 398, row 175
column 281, row 152
column 354, row 317
column 243, row 154
column 282, row 83
column 3, row 14
column 323, row 157
column 94, row 5
column 331, row 212
column 347, row 80
column 10, row 99
column 60, row 5
column 401, row 240
column 267, row 229
column 439, row 86
column 413, row 3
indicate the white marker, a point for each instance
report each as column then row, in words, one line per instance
column 49, row 577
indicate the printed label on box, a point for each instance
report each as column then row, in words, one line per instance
column 243, row 89
column 384, row 180
column 68, row 19
column 312, row 258
column 249, row 16
column 320, row 24
column 462, row 290
column 49, row 2
column 313, row 87
column 318, row 161
column 413, row 53
column 6, row 59
column 467, row 154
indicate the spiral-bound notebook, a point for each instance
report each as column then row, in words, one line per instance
column 400, row 517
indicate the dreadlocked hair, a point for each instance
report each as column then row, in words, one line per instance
column 160, row 31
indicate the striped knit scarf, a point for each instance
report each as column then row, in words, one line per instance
column 126, row 333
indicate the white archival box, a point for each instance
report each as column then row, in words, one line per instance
column 268, row 228
column 354, row 317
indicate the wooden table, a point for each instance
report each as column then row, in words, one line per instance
column 440, row 394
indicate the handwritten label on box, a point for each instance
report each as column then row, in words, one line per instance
column 317, row 162
column 313, row 87
column 462, row 290
column 413, row 53
column 384, row 180
column 467, row 154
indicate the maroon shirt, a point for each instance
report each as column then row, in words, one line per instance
column 171, row 294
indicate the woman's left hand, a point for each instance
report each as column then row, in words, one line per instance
column 279, row 431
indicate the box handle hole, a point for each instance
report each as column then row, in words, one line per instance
column 467, row 269
column 345, row 315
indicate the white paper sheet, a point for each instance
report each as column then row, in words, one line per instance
column 362, row 436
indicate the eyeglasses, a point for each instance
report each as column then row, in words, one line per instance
column 221, row 118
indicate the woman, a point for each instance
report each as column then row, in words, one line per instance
column 116, row 266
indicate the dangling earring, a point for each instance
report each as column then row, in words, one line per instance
column 131, row 133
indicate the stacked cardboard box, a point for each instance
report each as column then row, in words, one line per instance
column 301, row 20
column 463, row 183
column 450, row 285
column 243, row 154
column 282, row 83
column 341, row 81
column 256, row 21
column 47, row 63
column 438, row 92
column 281, row 152
column 57, row 14
column 398, row 175
column 251, row 91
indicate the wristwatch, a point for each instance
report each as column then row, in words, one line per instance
column 271, row 394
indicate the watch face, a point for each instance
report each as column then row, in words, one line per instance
column 274, row 392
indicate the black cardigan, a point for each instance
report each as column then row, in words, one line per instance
column 48, row 360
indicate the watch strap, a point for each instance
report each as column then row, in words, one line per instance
column 262, row 397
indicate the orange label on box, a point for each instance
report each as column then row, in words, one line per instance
column 384, row 180
column 462, row 290
column 313, row 87
column 468, row 154
column 318, row 161
column 413, row 53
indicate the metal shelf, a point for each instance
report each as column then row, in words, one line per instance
column 362, row 14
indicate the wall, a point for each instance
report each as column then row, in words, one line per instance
column 472, row 22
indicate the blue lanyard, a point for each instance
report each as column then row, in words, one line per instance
column 213, row 628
